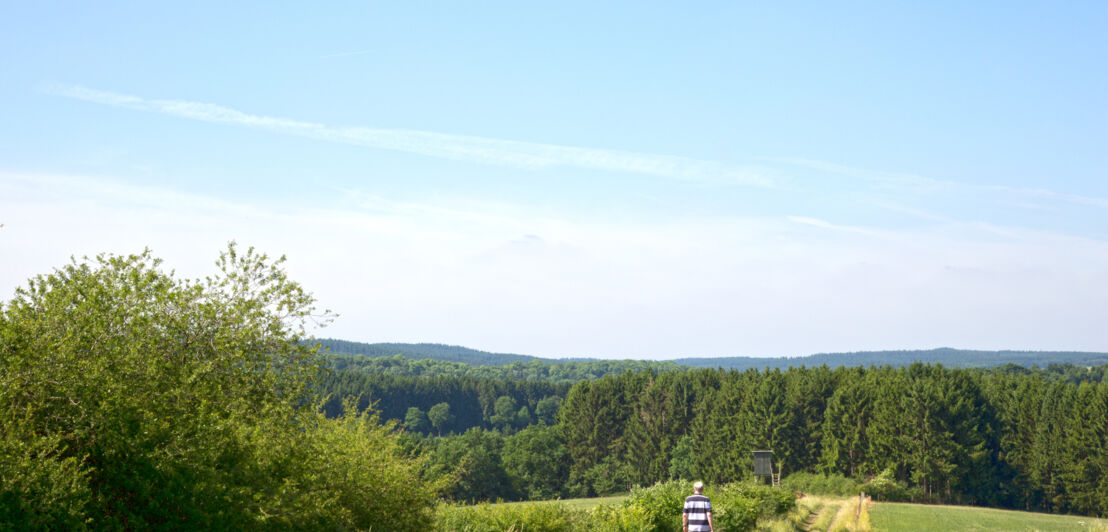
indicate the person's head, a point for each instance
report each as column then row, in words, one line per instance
column 698, row 486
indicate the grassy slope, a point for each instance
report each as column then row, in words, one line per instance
column 897, row 517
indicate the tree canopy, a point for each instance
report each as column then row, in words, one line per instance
column 132, row 399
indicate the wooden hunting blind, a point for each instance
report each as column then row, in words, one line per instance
column 763, row 466
column 763, row 463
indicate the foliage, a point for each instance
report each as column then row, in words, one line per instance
column 40, row 488
column 884, row 487
column 471, row 400
column 346, row 473
column 661, row 504
column 544, row 517
column 739, row 505
column 1031, row 438
column 440, row 416
column 536, row 460
column 475, row 467
column 425, row 351
column 819, row 484
column 130, row 399
column 682, row 461
column 409, row 364
column 619, row 518
column 1052, row 361
column 735, row 506
column 415, row 419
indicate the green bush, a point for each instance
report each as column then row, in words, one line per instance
column 735, row 507
column 617, row 518
column 738, row 506
column 607, row 477
column 771, row 501
column 528, row 517
column 661, row 503
column 130, row 399
column 884, row 487
column 818, row 484
column 733, row 512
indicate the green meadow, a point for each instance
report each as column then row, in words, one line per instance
column 899, row 517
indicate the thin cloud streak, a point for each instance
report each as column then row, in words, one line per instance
column 347, row 54
column 529, row 155
column 930, row 184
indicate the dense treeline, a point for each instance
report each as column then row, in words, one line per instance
column 446, row 353
column 1000, row 437
column 468, row 401
column 958, row 358
column 1009, row 436
column 563, row 372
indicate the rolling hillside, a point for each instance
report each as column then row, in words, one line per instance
column 946, row 356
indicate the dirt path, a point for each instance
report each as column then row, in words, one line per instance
column 843, row 513
column 812, row 518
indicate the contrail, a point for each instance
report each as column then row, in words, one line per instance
column 501, row 152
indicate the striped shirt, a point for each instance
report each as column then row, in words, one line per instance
column 697, row 507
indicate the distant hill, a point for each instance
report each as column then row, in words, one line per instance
column 955, row 358
column 960, row 358
column 446, row 353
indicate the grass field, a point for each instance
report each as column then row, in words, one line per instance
column 897, row 517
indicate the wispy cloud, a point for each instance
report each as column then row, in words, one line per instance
column 456, row 147
column 930, row 185
column 347, row 54
column 824, row 224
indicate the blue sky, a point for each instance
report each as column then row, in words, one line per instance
column 643, row 180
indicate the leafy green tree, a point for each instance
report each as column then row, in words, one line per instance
column 522, row 418
column 440, row 416
column 476, row 470
column 416, row 420
column 536, row 458
column 131, row 399
column 504, row 412
column 681, row 461
column 547, row 409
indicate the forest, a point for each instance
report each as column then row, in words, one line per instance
column 1009, row 436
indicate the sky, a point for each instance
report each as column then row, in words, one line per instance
column 644, row 180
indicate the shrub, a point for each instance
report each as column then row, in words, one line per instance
column 735, row 507
column 822, row 484
column 618, row 518
column 738, row 506
column 733, row 512
column 130, row 399
column 884, row 487
column 661, row 503
column 529, row 517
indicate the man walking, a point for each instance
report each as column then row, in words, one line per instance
column 698, row 511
